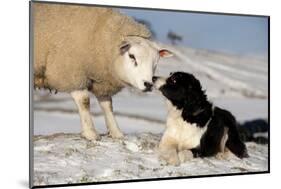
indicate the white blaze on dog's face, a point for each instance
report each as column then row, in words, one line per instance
column 139, row 60
column 159, row 82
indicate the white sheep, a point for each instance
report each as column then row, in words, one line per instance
column 78, row 49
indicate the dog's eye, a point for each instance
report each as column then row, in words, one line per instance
column 173, row 80
column 133, row 58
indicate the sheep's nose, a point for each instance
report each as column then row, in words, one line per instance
column 154, row 78
column 148, row 86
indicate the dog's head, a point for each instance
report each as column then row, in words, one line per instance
column 181, row 89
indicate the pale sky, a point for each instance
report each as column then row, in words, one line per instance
column 245, row 35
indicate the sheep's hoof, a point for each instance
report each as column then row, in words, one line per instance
column 116, row 135
column 92, row 136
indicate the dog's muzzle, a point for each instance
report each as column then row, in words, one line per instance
column 158, row 82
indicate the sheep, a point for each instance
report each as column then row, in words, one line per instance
column 82, row 50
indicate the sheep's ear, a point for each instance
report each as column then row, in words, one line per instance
column 164, row 53
column 124, row 47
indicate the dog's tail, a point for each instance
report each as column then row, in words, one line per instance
column 234, row 142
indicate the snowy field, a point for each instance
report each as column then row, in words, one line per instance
column 239, row 84
column 62, row 158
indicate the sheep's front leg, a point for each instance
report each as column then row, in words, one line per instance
column 82, row 101
column 106, row 106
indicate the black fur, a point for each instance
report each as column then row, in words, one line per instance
column 186, row 94
column 248, row 129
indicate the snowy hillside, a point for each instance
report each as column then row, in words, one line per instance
column 236, row 83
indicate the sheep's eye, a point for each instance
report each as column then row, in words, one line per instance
column 133, row 58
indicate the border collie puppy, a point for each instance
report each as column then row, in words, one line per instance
column 195, row 128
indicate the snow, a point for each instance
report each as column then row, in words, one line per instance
column 68, row 158
column 239, row 84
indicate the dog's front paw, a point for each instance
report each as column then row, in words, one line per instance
column 173, row 161
column 170, row 159
column 185, row 155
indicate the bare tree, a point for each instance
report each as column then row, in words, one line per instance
column 174, row 37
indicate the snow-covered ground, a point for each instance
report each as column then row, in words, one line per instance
column 68, row 158
column 239, row 84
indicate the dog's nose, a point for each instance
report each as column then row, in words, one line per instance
column 148, row 86
column 154, row 78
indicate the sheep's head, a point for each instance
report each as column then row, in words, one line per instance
column 137, row 62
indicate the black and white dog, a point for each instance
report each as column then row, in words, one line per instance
column 195, row 128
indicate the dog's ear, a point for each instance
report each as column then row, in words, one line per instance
column 194, row 85
column 192, row 103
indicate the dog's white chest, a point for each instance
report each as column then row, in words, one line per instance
column 186, row 135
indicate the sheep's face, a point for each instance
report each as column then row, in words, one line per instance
column 139, row 59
